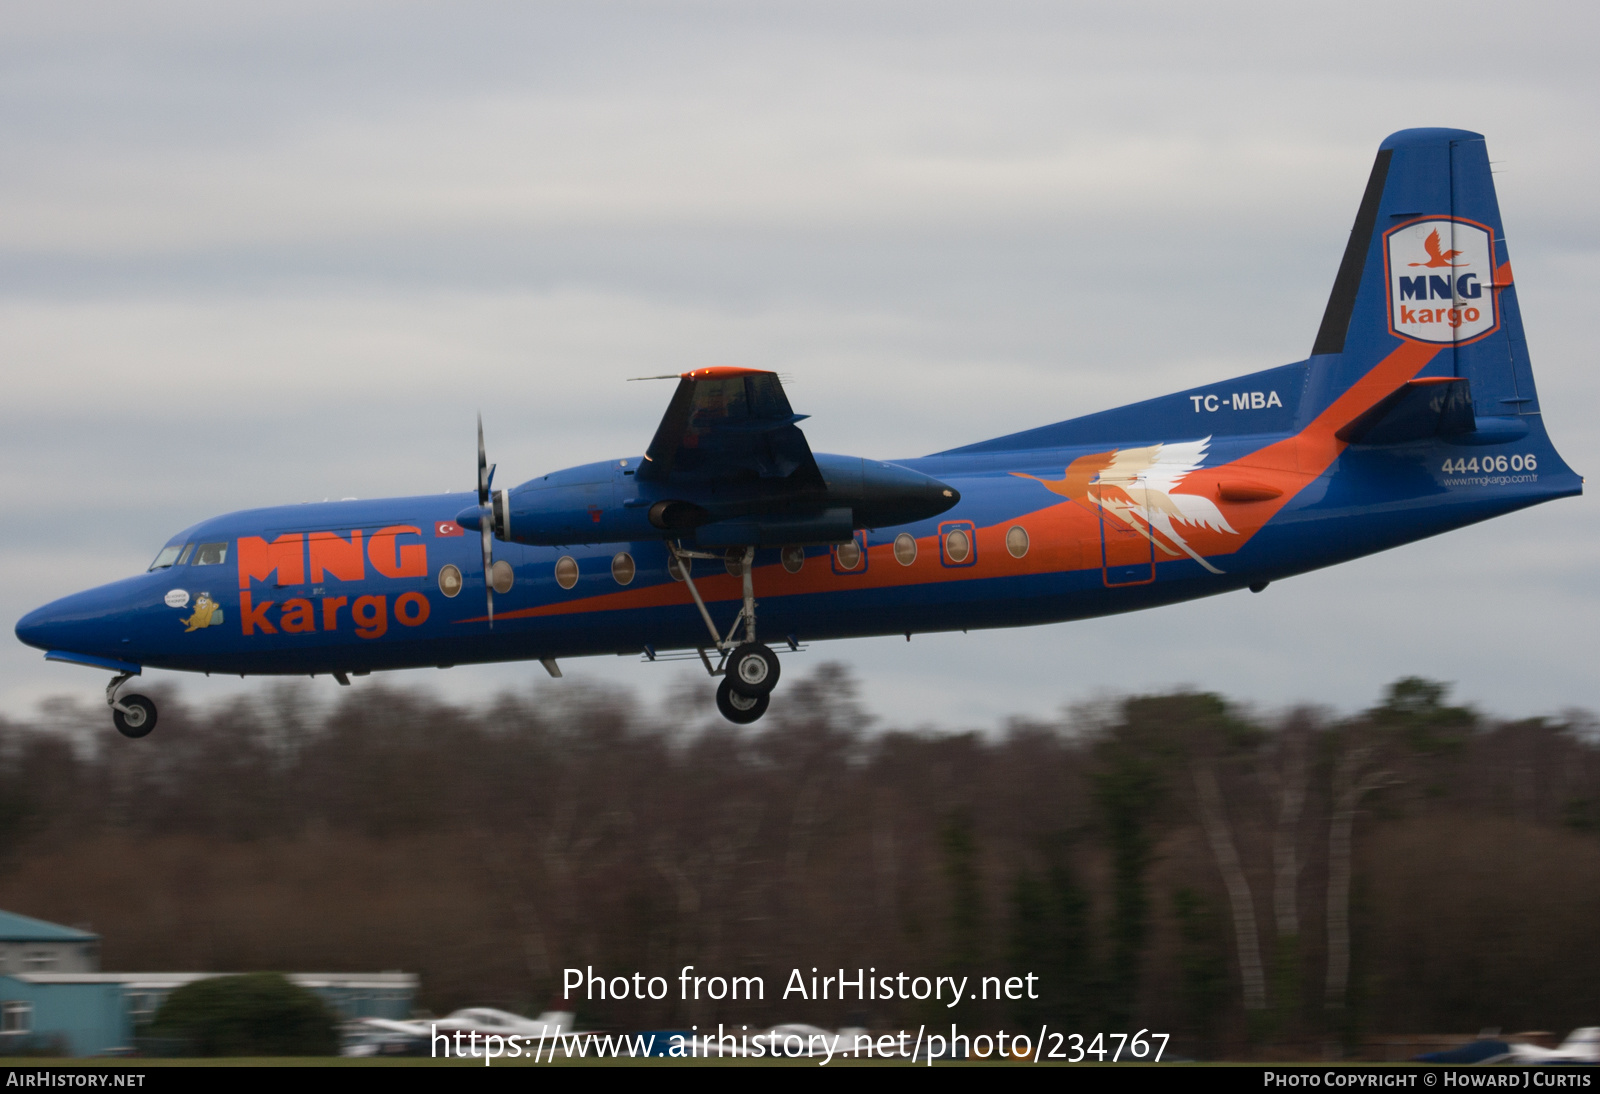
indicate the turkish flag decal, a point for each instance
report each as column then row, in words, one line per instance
column 447, row 528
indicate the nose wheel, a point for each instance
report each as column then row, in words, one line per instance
column 133, row 715
column 136, row 718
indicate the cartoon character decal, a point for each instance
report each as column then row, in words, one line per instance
column 207, row 613
column 1139, row 486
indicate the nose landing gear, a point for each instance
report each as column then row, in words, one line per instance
column 749, row 670
column 133, row 715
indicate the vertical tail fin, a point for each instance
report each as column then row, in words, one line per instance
column 1427, row 264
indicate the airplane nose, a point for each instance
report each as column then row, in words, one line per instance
column 92, row 621
column 38, row 628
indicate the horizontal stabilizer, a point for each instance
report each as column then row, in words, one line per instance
column 1435, row 406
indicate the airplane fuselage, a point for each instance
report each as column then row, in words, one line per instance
column 355, row 586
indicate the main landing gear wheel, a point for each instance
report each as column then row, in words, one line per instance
column 752, row 670
column 739, row 709
column 139, row 717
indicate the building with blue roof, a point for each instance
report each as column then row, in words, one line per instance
column 32, row 945
column 54, row 997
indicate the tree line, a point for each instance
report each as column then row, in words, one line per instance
column 1169, row 861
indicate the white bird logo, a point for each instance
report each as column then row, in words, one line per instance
column 1138, row 487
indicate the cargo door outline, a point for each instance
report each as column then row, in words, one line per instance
column 1127, row 551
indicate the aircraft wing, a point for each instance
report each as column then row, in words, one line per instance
column 727, row 424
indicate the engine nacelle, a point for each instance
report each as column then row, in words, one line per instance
column 607, row 503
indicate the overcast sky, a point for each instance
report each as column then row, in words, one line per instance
column 251, row 257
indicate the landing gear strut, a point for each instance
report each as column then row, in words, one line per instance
column 133, row 715
column 749, row 670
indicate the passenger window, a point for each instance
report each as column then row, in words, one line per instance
column 211, row 554
column 166, row 558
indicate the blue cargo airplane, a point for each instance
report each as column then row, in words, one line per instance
column 1414, row 414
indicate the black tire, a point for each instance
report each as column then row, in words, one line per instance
column 739, row 709
column 752, row 670
column 140, row 720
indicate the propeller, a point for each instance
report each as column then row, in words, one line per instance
column 486, row 521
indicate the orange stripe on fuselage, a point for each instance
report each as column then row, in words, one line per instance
column 1057, row 533
column 1292, row 463
column 1063, row 536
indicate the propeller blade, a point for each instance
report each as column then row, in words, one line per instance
column 483, row 467
column 488, row 566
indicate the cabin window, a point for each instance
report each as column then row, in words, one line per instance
column 1017, row 541
column 142, row 1006
column 848, row 554
column 16, row 1017
column 622, row 568
column 956, row 545
column 794, row 558
column 211, row 554
column 675, row 568
column 501, row 576
column 167, row 557
column 733, row 561
column 449, row 580
column 905, row 548
column 566, row 571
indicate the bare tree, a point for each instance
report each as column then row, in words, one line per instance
column 1291, row 793
column 1246, row 936
column 1350, row 784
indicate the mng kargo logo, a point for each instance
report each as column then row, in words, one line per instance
column 1441, row 280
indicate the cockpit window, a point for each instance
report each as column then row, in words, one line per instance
column 167, row 557
column 188, row 549
column 211, row 554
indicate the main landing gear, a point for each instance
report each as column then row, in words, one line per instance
column 749, row 670
column 739, row 709
column 133, row 715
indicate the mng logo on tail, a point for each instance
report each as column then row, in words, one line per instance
column 1441, row 280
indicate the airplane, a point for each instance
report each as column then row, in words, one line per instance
column 384, row 1036
column 1582, row 1046
column 1414, row 414
column 483, row 1020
